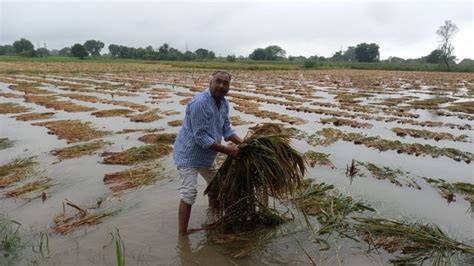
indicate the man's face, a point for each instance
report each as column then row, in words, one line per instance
column 220, row 85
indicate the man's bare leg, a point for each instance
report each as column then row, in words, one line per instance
column 184, row 212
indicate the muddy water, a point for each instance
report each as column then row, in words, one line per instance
column 148, row 217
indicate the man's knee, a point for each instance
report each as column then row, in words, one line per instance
column 188, row 196
column 188, row 189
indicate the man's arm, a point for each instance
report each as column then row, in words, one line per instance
column 200, row 124
column 231, row 151
column 235, row 139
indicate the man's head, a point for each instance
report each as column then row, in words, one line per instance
column 220, row 84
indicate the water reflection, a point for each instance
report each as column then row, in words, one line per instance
column 184, row 250
column 198, row 254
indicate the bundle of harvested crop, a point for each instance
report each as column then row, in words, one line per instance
column 268, row 167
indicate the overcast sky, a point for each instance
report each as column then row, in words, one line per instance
column 402, row 28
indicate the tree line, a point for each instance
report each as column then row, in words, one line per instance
column 362, row 52
column 93, row 48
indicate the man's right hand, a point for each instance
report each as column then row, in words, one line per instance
column 232, row 151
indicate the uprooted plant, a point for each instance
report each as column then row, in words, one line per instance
column 65, row 223
column 413, row 242
column 417, row 242
column 268, row 167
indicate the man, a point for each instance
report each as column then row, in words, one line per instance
column 205, row 123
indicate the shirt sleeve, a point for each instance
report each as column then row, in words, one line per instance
column 201, row 125
column 227, row 129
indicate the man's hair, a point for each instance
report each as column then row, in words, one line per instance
column 222, row 72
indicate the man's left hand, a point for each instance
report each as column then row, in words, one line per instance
column 232, row 151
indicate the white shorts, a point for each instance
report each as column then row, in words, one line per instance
column 188, row 177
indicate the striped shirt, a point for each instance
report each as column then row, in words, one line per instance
column 204, row 124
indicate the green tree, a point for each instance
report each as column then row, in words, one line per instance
column 149, row 53
column 274, row 52
column 24, row 47
column 258, row 54
column 174, row 54
column 93, row 47
column 114, row 50
column 66, row 51
column 296, row 58
column 7, row 49
column 189, row 56
column 310, row 63
column 350, row 55
column 367, row 52
column 125, row 52
column 211, row 55
column 163, row 52
column 201, row 53
column 434, row 57
column 394, row 59
column 467, row 61
column 338, row 57
column 78, row 50
column 446, row 33
column 231, row 58
column 138, row 53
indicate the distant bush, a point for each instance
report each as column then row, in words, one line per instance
column 66, row 51
column 7, row 50
column 42, row 52
column 231, row 58
column 29, row 53
column 310, row 64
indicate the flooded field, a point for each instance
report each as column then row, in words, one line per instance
column 86, row 149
